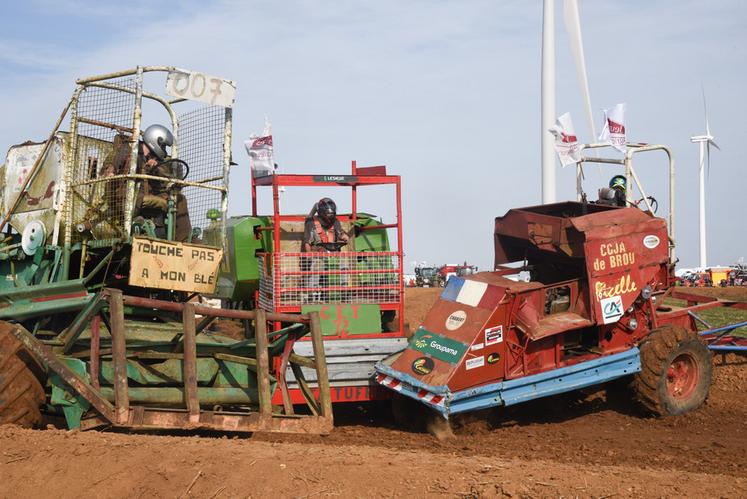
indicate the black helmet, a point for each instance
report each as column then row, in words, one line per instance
column 619, row 182
column 327, row 211
column 157, row 137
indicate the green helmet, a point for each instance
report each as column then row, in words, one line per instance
column 619, row 182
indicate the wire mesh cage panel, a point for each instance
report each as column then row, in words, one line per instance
column 295, row 279
column 105, row 194
column 201, row 139
column 100, row 153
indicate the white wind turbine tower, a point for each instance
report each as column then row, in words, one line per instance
column 573, row 28
column 705, row 142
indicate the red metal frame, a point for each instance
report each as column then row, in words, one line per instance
column 359, row 177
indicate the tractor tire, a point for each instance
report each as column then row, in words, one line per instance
column 21, row 392
column 676, row 371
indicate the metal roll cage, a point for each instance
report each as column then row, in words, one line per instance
column 630, row 174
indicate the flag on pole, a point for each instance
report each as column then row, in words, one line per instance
column 566, row 143
column 259, row 148
column 613, row 132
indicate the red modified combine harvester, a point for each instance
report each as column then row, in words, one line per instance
column 592, row 312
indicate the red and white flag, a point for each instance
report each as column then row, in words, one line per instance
column 259, row 148
column 566, row 143
column 613, row 132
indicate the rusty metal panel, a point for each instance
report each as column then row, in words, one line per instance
column 546, row 227
column 620, row 266
column 40, row 200
column 151, row 419
column 190, row 362
column 119, row 352
column 45, row 354
column 562, row 228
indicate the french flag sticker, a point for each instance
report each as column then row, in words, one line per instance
column 472, row 293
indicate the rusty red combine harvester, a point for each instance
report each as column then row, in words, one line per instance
column 592, row 312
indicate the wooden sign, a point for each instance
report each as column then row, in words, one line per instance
column 174, row 266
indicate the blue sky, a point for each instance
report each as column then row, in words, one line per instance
column 445, row 94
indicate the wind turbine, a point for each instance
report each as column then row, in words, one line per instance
column 573, row 28
column 705, row 142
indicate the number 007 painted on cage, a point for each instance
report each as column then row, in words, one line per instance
column 201, row 87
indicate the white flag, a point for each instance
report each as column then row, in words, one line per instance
column 613, row 132
column 566, row 144
column 259, row 148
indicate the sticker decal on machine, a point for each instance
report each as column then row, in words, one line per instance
column 422, row 365
column 612, row 309
column 476, row 346
column 456, row 320
column 437, row 346
column 474, row 362
column 493, row 335
column 493, row 358
column 651, row 241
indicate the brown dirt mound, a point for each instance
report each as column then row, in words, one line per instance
column 418, row 302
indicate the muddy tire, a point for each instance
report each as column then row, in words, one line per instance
column 21, row 392
column 676, row 370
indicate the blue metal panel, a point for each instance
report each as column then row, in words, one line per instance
column 727, row 348
column 723, row 347
column 571, row 378
column 728, row 328
column 512, row 392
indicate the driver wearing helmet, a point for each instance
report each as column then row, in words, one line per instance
column 322, row 229
column 152, row 200
column 615, row 195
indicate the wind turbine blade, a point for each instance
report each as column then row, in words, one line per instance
column 573, row 28
column 713, row 143
column 708, row 159
column 705, row 111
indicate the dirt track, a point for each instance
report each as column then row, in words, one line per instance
column 548, row 448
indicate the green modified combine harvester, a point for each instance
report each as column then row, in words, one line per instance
column 105, row 324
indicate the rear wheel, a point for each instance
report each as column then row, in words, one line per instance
column 676, row 370
column 21, row 392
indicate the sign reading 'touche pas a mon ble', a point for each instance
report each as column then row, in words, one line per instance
column 174, row 266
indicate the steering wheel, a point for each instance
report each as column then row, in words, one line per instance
column 651, row 200
column 178, row 162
